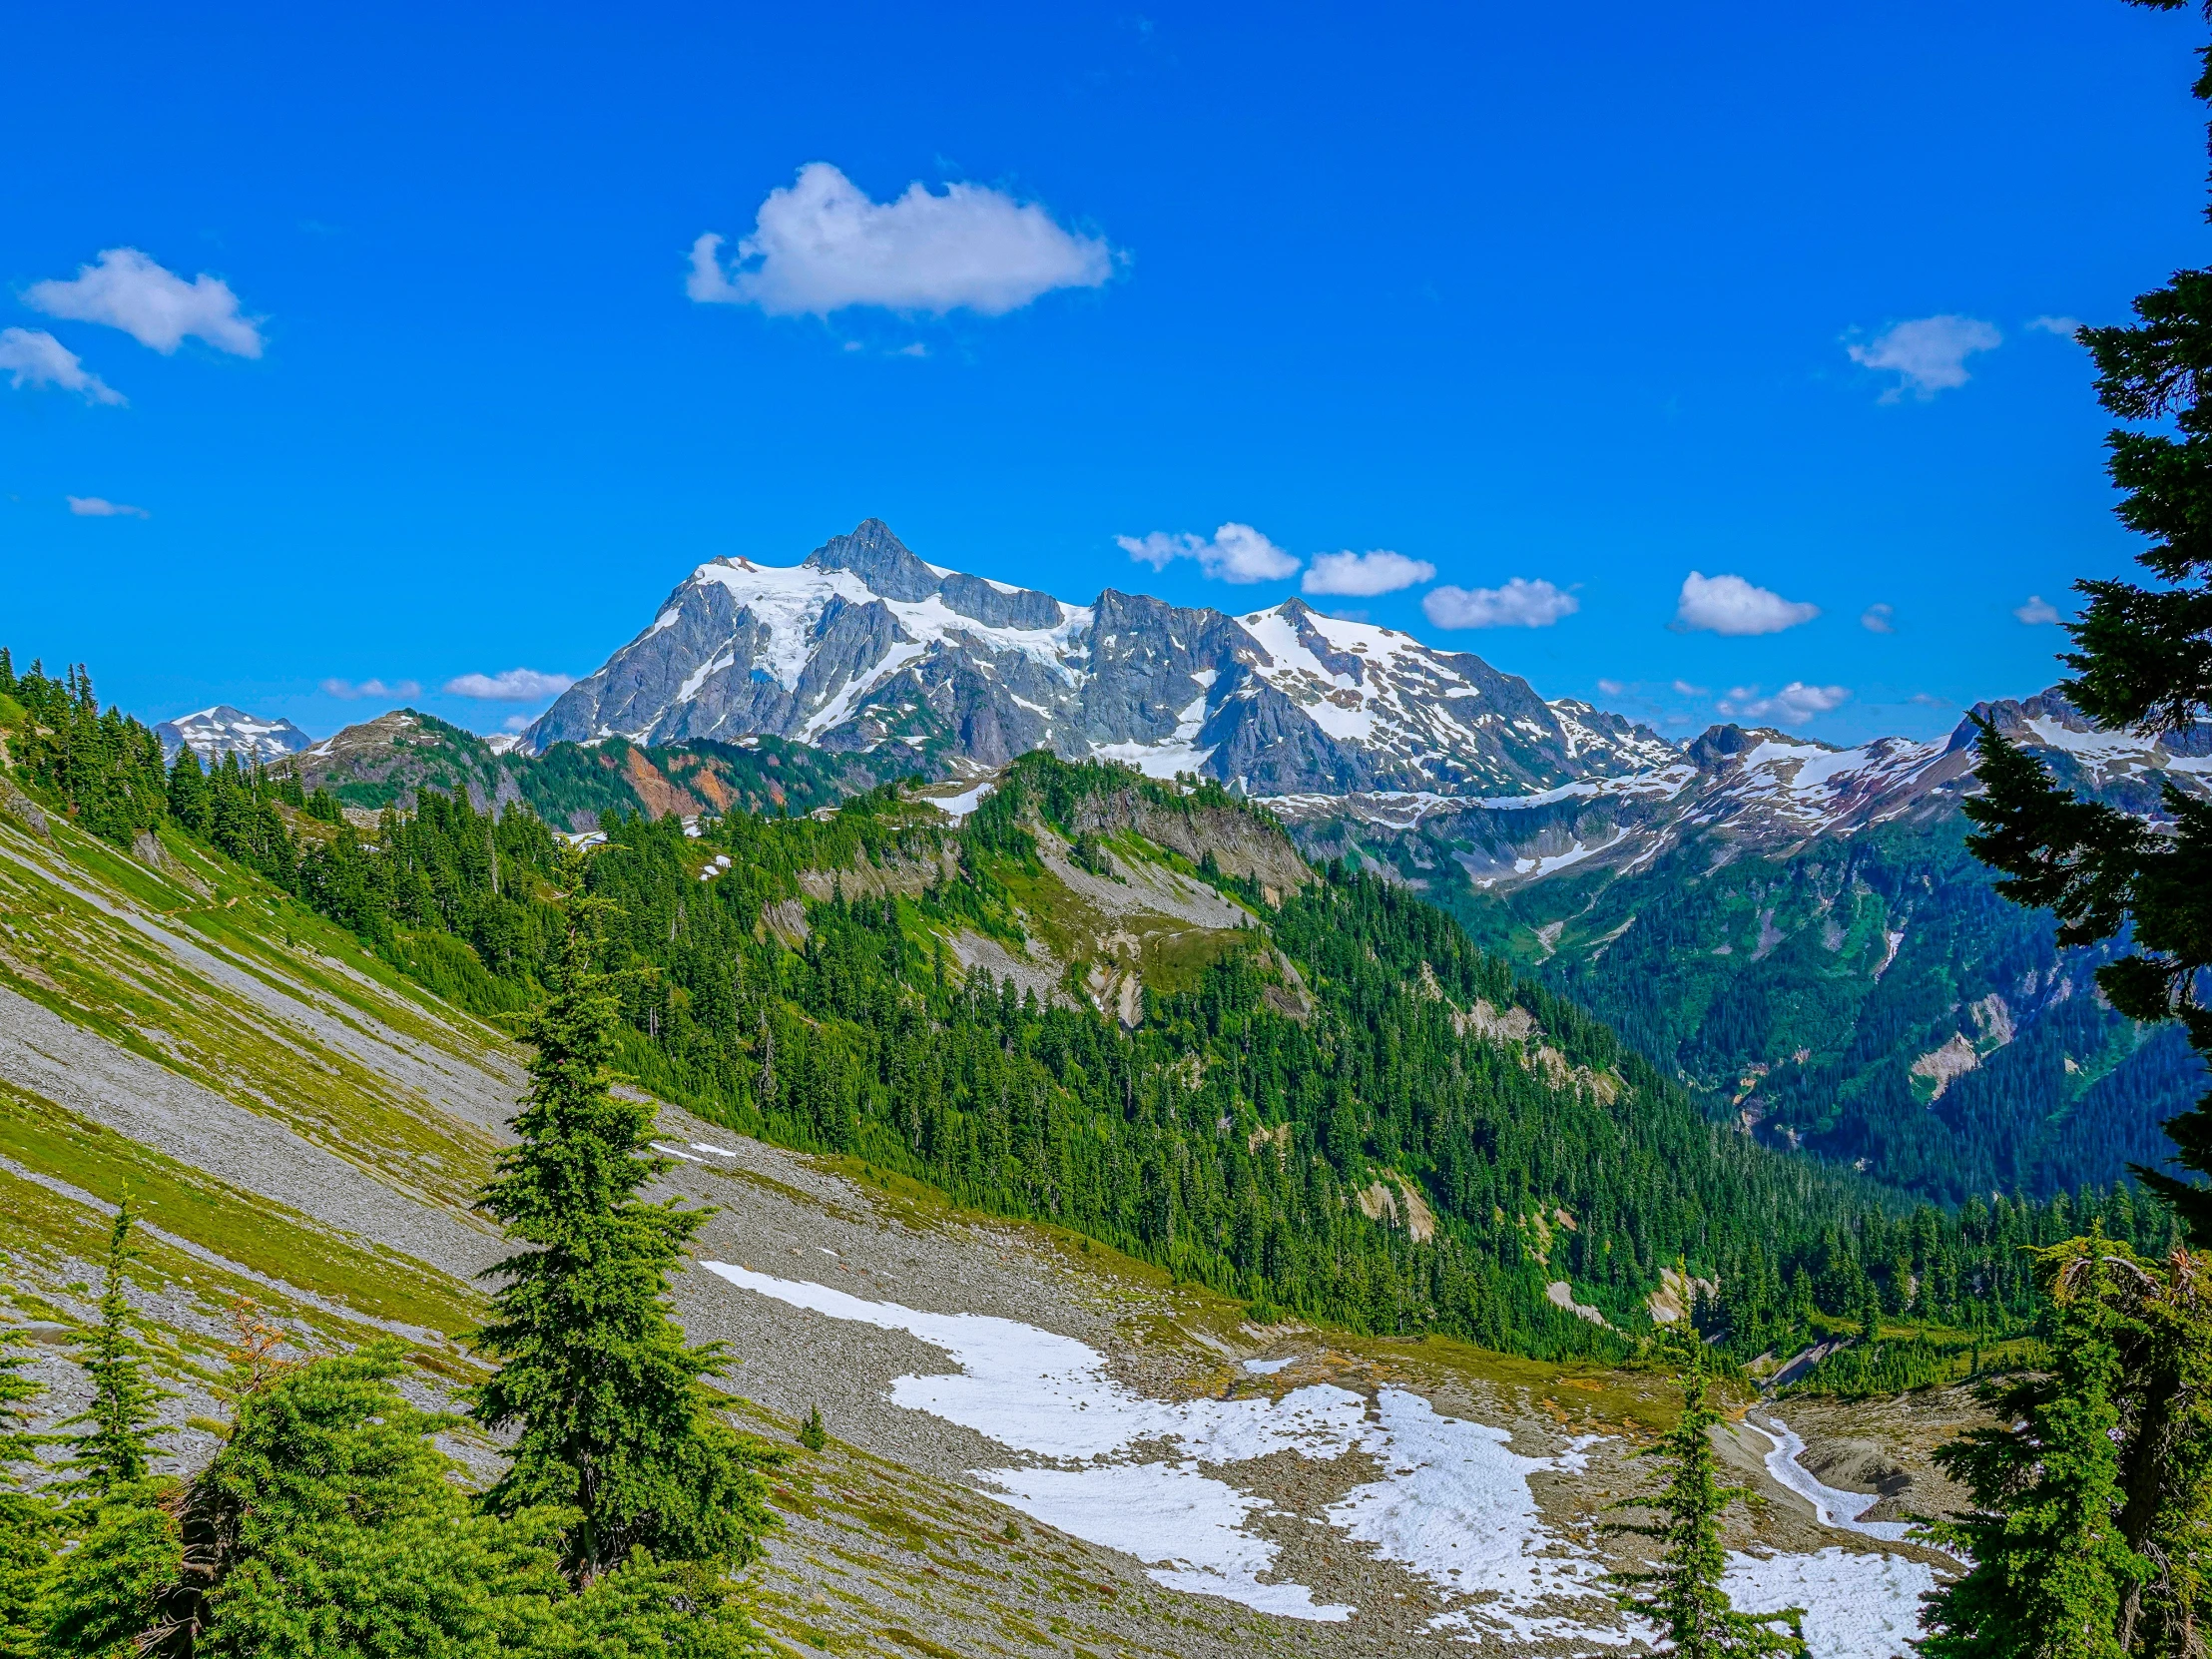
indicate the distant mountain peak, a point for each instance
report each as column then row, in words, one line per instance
column 865, row 644
column 221, row 729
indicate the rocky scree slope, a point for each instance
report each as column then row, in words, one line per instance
column 1799, row 934
column 867, row 648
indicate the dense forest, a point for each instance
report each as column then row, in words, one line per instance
column 1287, row 1155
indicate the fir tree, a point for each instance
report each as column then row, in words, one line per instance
column 2051, row 1569
column 329, row 1526
column 1682, row 1595
column 28, row 1524
column 2142, row 662
column 188, row 792
column 115, row 1452
column 593, row 1373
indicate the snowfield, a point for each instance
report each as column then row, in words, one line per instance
column 1155, row 1480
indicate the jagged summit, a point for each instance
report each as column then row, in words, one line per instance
column 214, row 733
column 863, row 646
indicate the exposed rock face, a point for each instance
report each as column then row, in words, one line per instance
column 865, row 647
column 214, row 733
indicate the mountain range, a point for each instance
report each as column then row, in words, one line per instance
column 866, row 648
column 1795, row 931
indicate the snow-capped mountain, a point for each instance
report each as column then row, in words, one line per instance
column 1761, row 791
column 1801, row 935
column 864, row 645
column 214, row 733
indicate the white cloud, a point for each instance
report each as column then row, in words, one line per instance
column 1363, row 575
column 1731, row 605
column 1612, row 688
column 1683, row 688
column 914, row 348
column 514, row 684
column 156, row 308
column 1928, row 353
column 2037, row 612
column 1233, row 553
column 1878, row 619
column 820, row 244
column 351, row 693
column 1795, row 702
column 1521, row 603
column 92, row 506
column 515, row 723
column 2063, row 327
column 33, row 358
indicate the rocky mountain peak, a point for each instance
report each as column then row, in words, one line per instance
column 214, row 733
column 865, row 645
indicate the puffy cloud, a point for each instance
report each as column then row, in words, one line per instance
column 822, row 245
column 1613, row 688
column 515, row 723
column 2037, row 612
column 352, row 693
column 1731, row 605
column 1521, row 603
column 514, row 684
column 1793, row 703
column 1363, row 575
column 156, row 308
column 1233, row 553
column 1929, row 355
column 92, row 506
column 1878, row 619
column 1683, row 688
column 2063, row 327
column 33, row 358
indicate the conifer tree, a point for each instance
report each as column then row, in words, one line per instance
column 28, row 1524
column 115, row 1452
column 2142, row 662
column 1682, row 1595
column 593, row 1373
column 2050, row 1567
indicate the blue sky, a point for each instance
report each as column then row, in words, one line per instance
column 1562, row 295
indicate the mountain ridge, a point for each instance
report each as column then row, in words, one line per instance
column 865, row 646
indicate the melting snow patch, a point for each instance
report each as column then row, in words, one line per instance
column 717, row 1151
column 1266, row 1368
column 672, row 1152
column 1831, row 1507
column 1456, row 1507
column 1856, row 1606
column 957, row 806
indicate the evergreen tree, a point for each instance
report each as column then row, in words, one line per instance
column 188, row 792
column 114, row 1451
column 329, row 1526
column 593, row 1373
column 2142, row 662
column 2051, row 1569
column 28, row 1524
column 1682, row 1595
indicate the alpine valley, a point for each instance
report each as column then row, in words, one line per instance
column 1144, row 1220
column 1796, row 933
